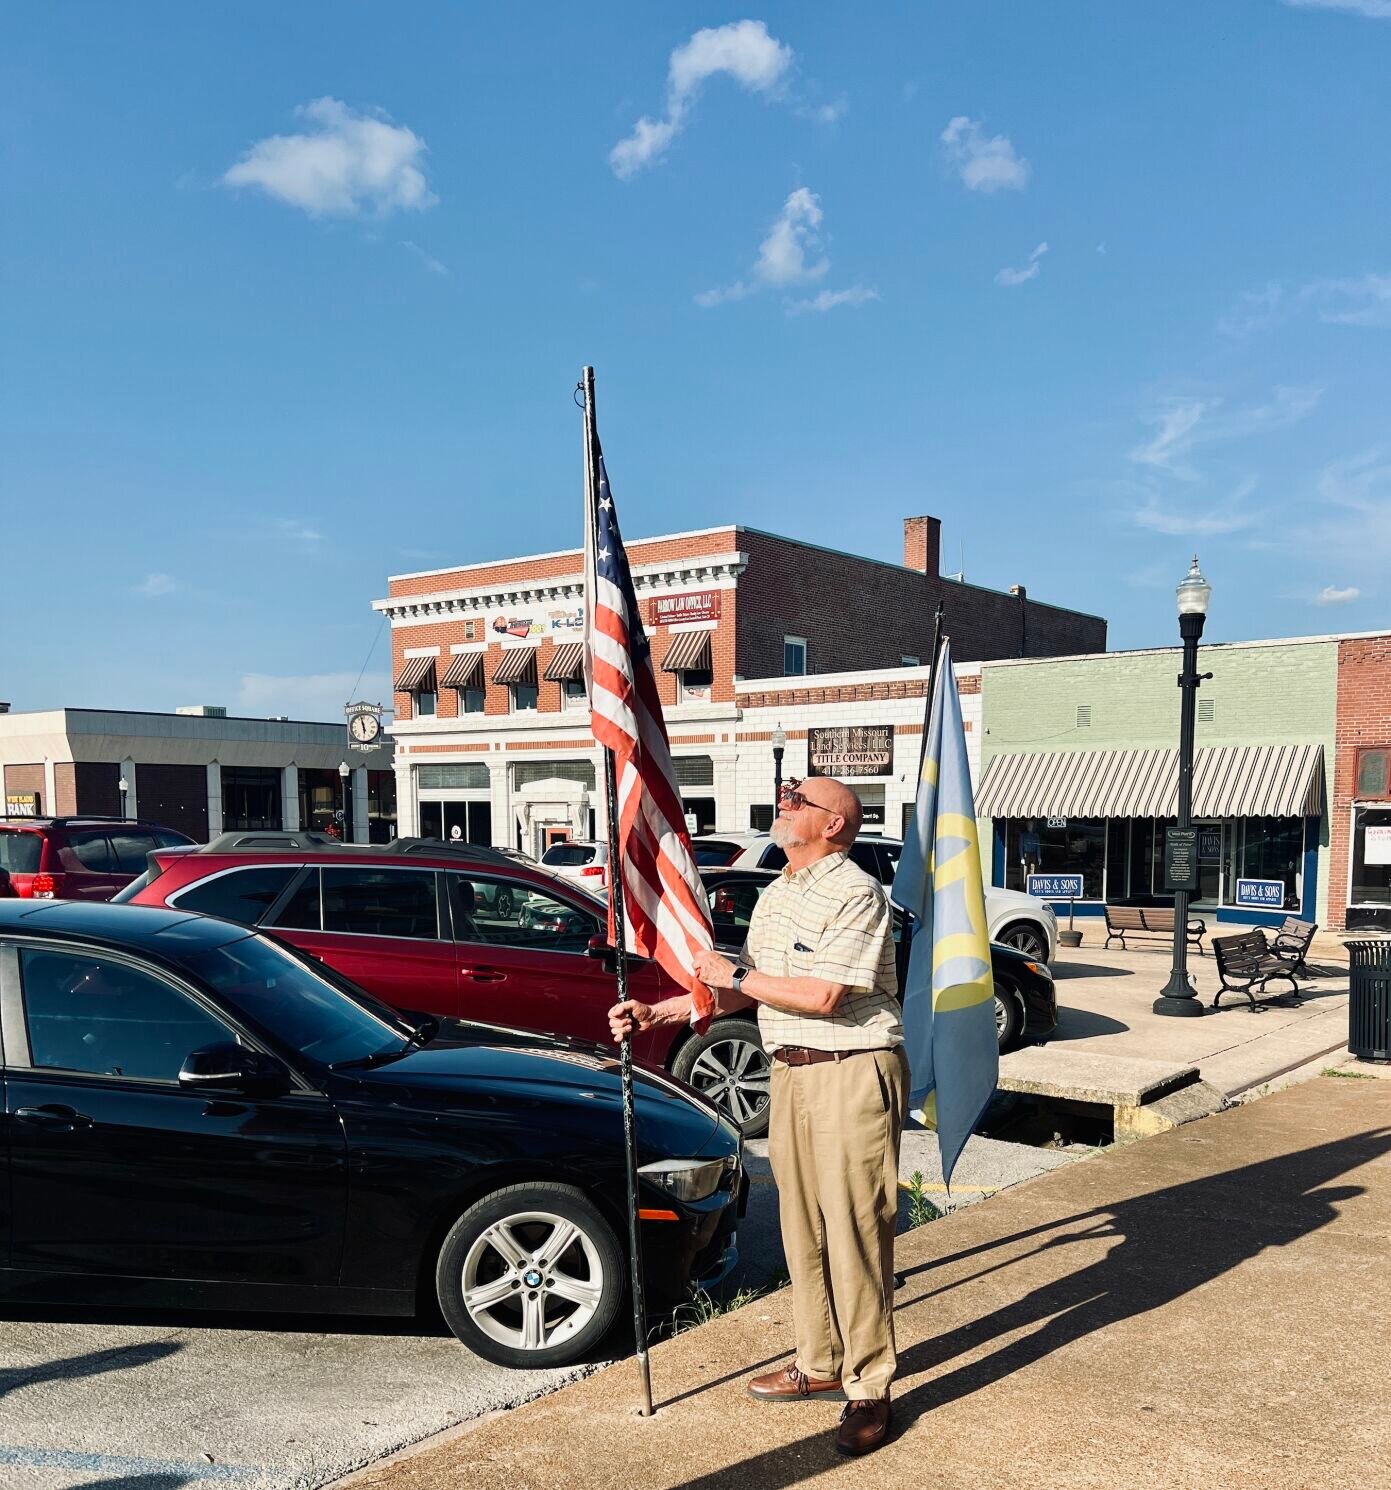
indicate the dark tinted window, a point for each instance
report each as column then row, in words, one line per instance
column 243, row 895
column 866, row 855
column 20, row 852
column 107, row 1019
column 381, row 902
column 514, row 916
column 93, row 851
column 130, row 850
column 732, row 906
column 772, row 857
column 168, row 838
column 301, row 911
column 712, row 852
column 568, row 855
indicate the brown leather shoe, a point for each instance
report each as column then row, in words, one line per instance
column 790, row 1385
column 864, row 1426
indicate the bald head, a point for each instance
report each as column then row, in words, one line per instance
column 839, row 802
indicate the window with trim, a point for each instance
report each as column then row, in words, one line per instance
column 572, row 694
column 105, row 1018
column 472, row 701
column 906, row 661
column 696, row 682
column 423, row 703
column 794, row 656
column 524, row 696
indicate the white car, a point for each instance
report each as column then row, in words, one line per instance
column 1018, row 920
column 584, row 860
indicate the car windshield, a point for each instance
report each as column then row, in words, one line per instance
column 294, row 1006
column 20, row 851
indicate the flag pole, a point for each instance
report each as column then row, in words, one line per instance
column 620, row 948
column 931, row 685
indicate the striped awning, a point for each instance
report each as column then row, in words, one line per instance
column 688, row 649
column 465, row 671
column 418, row 673
column 518, row 665
column 1228, row 781
column 565, row 663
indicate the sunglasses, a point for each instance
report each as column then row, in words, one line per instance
column 797, row 800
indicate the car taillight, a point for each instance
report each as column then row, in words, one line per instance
column 593, row 869
column 45, row 886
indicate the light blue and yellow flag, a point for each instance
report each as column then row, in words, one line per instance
column 949, row 994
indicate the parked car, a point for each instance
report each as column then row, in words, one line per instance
column 420, row 925
column 1015, row 919
column 583, row 859
column 78, row 858
column 715, row 850
column 731, row 1054
column 255, row 1131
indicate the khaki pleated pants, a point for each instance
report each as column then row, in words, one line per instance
column 833, row 1142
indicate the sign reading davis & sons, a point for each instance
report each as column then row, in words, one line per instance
column 850, row 750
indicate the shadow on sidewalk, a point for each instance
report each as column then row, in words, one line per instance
column 1167, row 1243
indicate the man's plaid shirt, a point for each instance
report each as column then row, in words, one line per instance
column 832, row 921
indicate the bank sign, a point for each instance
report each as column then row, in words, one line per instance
column 1261, row 895
column 1054, row 886
column 851, row 750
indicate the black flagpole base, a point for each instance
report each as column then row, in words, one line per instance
column 1179, row 997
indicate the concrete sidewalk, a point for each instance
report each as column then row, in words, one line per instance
column 1105, row 999
column 1202, row 1309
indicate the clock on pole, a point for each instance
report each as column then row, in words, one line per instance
column 364, row 726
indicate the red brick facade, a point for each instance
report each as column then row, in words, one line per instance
column 1364, row 718
column 855, row 614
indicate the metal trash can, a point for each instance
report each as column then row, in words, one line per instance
column 1369, row 1000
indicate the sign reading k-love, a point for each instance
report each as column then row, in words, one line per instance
column 1264, row 895
column 1055, row 886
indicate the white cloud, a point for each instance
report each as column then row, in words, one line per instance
column 1229, row 515
column 782, row 256
column 1332, row 595
column 346, row 161
column 292, row 530
column 826, row 113
column 1365, row 301
column 428, row 261
column 1184, row 423
column 307, row 695
column 742, row 50
column 1375, row 10
column 154, row 585
column 985, row 163
column 1013, row 277
column 830, row 299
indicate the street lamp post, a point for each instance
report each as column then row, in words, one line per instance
column 779, row 745
column 122, row 786
column 1179, row 996
column 347, row 821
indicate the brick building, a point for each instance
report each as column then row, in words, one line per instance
column 491, row 719
column 1361, row 817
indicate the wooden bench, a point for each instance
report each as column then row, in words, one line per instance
column 1246, row 964
column 1291, row 942
column 1149, row 920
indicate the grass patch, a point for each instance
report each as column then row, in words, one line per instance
column 701, row 1307
column 920, row 1209
column 1347, row 1075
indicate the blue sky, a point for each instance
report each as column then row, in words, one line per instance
column 295, row 298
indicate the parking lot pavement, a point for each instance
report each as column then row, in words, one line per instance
column 254, row 1402
column 96, row 1401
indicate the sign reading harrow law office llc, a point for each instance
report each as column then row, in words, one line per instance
column 1261, row 895
column 699, row 605
column 850, row 750
column 1054, row 886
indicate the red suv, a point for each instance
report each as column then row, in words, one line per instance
column 457, row 931
column 78, row 858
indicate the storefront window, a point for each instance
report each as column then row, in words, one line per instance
column 381, row 806
column 251, row 797
column 320, row 797
column 1056, row 846
column 1272, row 848
column 1371, row 856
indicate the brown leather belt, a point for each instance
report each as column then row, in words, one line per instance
column 801, row 1055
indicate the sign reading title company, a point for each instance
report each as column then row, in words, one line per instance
column 698, row 605
column 851, row 750
column 1263, row 895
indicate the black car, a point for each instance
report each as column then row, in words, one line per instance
column 728, row 1062
column 198, row 1115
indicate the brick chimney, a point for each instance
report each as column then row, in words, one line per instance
column 922, row 544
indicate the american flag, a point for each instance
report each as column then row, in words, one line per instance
column 668, row 916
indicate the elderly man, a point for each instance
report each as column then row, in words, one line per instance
column 819, row 964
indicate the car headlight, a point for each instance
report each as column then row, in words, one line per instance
column 688, row 1179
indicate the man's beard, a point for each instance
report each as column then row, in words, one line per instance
column 785, row 835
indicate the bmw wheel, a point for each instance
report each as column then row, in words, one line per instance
column 1026, row 937
column 728, row 1066
column 530, row 1276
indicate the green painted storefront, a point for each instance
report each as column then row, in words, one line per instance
column 1265, row 743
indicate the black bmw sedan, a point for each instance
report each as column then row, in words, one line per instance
column 195, row 1115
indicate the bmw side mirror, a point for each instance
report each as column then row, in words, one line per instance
column 234, row 1070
